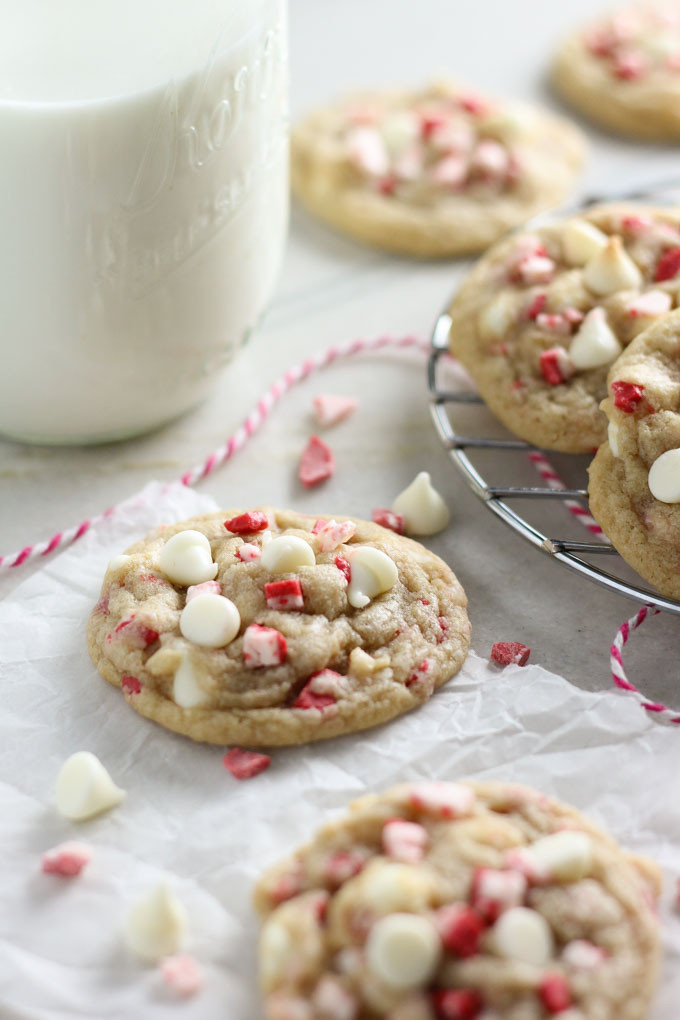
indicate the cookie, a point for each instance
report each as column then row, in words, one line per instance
column 543, row 315
column 623, row 71
column 437, row 172
column 634, row 485
column 469, row 900
column 270, row 627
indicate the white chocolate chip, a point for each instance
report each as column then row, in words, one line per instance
column 497, row 317
column 595, row 343
column 423, row 509
column 664, row 477
column 399, row 130
column 368, row 151
column 522, row 934
column 84, row 787
column 156, row 924
column 565, row 856
column 581, row 241
column 212, row 621
column 186, row 558
column 403, row 951
column 509, row 122
column 287, row 552
column 611, row 269
column 187, row 691
column 372, row 573
column 119, row 562
column 613, row 437
column 276, row 946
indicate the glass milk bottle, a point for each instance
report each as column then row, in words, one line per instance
column 143, row 205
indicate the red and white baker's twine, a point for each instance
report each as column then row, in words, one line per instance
column 619, row 674
column 553, row 481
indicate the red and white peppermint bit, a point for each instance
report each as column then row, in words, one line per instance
column 553, row 481
column 247, row 523
column 510, row 653
column 583, row 955
column 490, row 160
column 668, row 266
column 367, row 150
column 630, row 65
column 205, row 588
column 451, row 171
column 344, row 567
column 554, row 993
column 460, row 928
column 248, row 552
column 444, row 628
column 342, row 865
column 627, row 396
column 553, row 322
column 649, row 305
column 284, row 594
column 182, row 974
column 263, row 646
column 67, row 859
column 537, row 306
column 443, row 800
column 331, row 534
column 309, row 698
column 331, row 409
column 534, row 267
column 327, row 681
column 130, row 685
column 420, row 674
column 331, row 1000
column 457, row 1004
column 245, row 764
column 555, row 365
column 404, row 841
column 619, row 676
column 133, row 633
column 388, row 519
column 495, row 891
column 317, row 463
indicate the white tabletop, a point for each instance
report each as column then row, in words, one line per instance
column 332, row 290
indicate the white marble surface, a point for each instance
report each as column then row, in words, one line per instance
column 331, row 290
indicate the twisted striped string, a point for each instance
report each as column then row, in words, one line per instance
column 619, row 674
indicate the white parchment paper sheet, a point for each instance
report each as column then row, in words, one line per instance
column 185, row 819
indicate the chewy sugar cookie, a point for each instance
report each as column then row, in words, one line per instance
column 471, row 901
column 634, row 488
column 623, row 71
column 543, row 315
column 436, row 172
column 271, row 627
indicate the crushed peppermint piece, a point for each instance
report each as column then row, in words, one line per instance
column 388, row 519
column 649, row 305
column 248, row 552
column 556, row 366
column 668, row 265
column 331, row 409
column 327, row 681
column 66, row 859
column 554, row 993
column 553, row 322
column 443, row 629
column 507, row 653
column 627, row 396
column 205, row 588
column 537, row 306
column 339, row 867
column 404, row 841
column 317, row 463
column 331, row 999
column 583, row 955
column 344, row 567
column 245, row 764
column 332, row 534
column 284, row 594
column 457, row 1004
column 419, row 673
column 133, row 633
column 308, row 698
column 534, row 267
column 495, row 891
column 182, row 974
column 263, row 646
column 460, row 928
column 247, row 523
column 130, row 685
column 444, row 800
column 629, row 66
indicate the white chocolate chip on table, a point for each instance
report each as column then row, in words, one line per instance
column 156, row 924
column 336, row 625
column 84, row 788
column 423, row 509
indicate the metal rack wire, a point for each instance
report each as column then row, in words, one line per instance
column 448, row 408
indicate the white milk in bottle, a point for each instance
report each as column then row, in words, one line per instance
column 143, row 205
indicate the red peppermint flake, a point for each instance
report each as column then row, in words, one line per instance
column 556, row 366
column 473, row 104
column 537, row 306
column 387, row 185
column 339, row 867
column 388, row 519
column 430, row 124
column 130, row 685
column 182, row 974
column 263, row 646
column 284, row 594
column 443, row 627
column 507, row 653
column 627, row 396
column 331, row 408
column 134, row 633
column 245, row 764
column 308, row 698
column 248, row 552
column 317, row 463
column 247, row 523
column 343, row 566
column 554, row 993
column 668, row 265
column 441, row 799
column 419, row 673
column 286, row 887
column 495, row 891
column 636, row 224
column 457, row 1004
column 629, row 66
column 66, row 860
column 319, row 526
column 460, row 928
column 404, row 841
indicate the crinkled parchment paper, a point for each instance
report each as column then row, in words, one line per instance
column 187, row 820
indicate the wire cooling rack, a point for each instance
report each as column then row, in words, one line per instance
column 463, row 424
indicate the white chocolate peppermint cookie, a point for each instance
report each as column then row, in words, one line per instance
column 435, row 172
column 623, row 71
column 634, row 485
column 543, row 316
column 439, row 900
column 301, row 628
